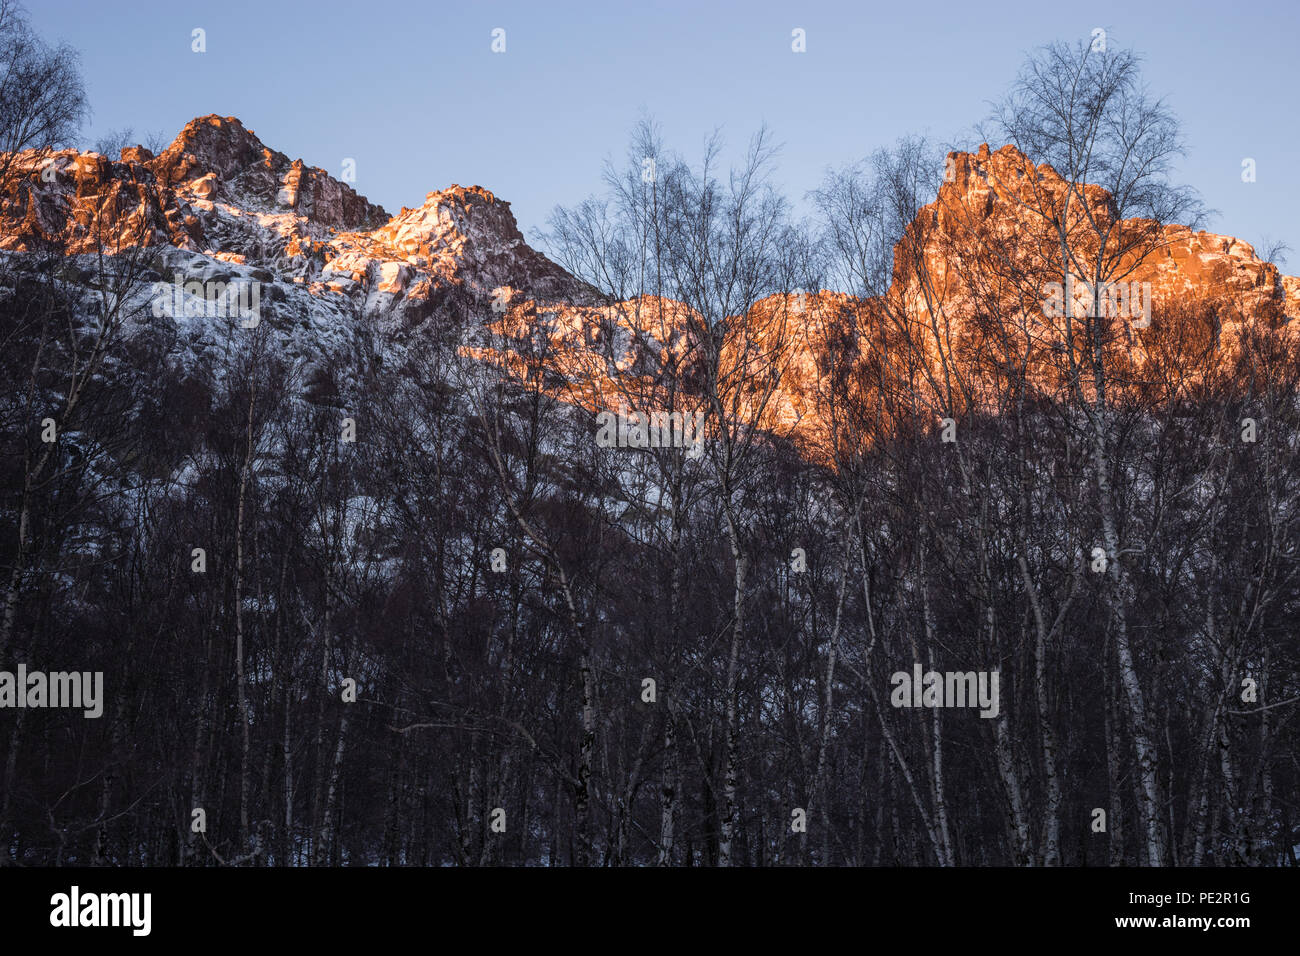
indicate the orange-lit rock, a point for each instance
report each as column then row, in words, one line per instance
column 459, row 259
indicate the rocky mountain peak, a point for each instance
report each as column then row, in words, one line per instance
column 212, row 144
column 215, row 156
column 1003, row 193
column 218, row 201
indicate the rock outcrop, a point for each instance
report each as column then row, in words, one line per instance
column 215, row 156
column 995, row 199
column 217, row 202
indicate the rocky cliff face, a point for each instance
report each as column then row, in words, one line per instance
column 216, row 170
column 217, row 158
column 460, row 249
column 996, row 199
column 218, row 205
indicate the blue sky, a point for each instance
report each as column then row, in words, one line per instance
column 413, row 92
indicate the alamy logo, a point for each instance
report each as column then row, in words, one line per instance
column 947, row 689
column 75, row 908
column 56, row 689
column 1126, row 300
column 657, row 429
column 212, row 299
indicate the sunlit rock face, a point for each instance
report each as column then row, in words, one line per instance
column 220, row 149
column 219, row 204
column 999, row 198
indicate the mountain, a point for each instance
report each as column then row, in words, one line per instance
column 995, row 191
column 218, row 206
column 362, row 581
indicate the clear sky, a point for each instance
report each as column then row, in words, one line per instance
column 413, row 92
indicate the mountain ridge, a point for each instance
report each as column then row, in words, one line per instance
column 461, row 234
column 220, row 206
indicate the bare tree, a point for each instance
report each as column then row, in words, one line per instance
column 42, row 100
column 1085, row 113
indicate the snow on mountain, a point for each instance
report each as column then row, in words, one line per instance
column 218, row 207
